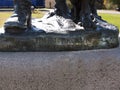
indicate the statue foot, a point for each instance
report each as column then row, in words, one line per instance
column 62, row 9
column 87, row 21
column 12, row 25
column 21, row 19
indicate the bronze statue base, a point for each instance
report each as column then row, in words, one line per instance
column 69, row 41
column 56, row 33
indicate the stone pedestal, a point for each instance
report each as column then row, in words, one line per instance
column 56, row 33
column 67, row 41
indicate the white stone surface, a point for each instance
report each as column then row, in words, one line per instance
column 55, row 24
column 2, row 30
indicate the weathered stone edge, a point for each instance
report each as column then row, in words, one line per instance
column 82, row 40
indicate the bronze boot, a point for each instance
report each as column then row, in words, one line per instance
column 62, row 9
column 85, row 15
column 21, row 18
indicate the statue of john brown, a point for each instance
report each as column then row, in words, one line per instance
column 63, row 28
column 20, row 21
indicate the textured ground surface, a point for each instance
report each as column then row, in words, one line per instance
column 81, row 70
column 108, row 11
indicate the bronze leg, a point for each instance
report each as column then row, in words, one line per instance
column 62, row 9
column 21, row 19
column 85, row 15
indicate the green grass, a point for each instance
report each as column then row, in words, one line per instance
column 5, row 15
column 111, row 18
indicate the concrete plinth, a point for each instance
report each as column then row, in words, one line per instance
column 72, row 40
column 55, row 33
